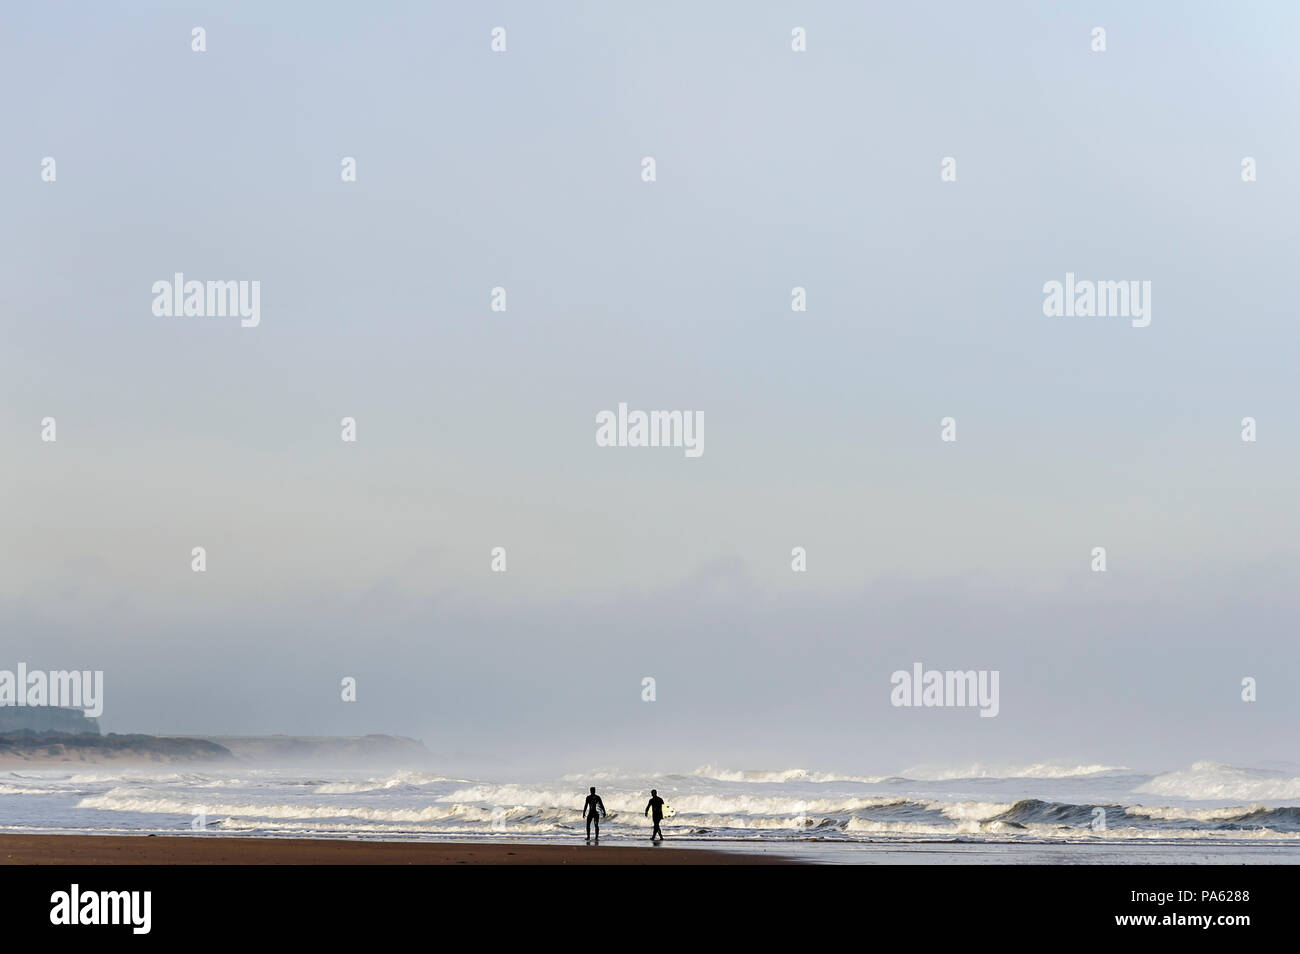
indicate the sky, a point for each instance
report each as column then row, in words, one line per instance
column 775, row 169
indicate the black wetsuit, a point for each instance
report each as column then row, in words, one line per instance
column 593, row 808
column 655, row 808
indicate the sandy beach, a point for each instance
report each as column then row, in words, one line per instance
column 162, row 850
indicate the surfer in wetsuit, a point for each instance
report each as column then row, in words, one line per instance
column 655, row 806
column 593, row 808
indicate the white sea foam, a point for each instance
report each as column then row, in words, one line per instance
column 1044, row 770
column 1043, row 802
column 779, row 775
column 27, row 790
column 1211, row 781
column 125, row 800
column 1174, row 813
column 704, row 803
column 396, row 780
column 970, row 811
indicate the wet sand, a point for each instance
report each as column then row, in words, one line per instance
column 206, row 850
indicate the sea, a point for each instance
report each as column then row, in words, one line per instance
column 1044, row 813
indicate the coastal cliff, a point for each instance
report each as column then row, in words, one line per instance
column 28, row 748
column 53, row 748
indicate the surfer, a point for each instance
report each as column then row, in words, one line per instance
column 593, row 808
column 655, row 809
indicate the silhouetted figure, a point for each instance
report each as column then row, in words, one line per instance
column 655, row 809
column 593, row 808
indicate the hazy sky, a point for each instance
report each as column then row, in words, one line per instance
column 476, row 428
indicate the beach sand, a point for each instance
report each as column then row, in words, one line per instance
column 203, row 850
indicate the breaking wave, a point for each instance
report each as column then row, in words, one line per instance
column 1206, row 781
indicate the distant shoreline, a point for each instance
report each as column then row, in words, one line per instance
column 54, row 749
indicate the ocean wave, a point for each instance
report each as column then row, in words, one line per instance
column 1177, row 813
column 1046, row 802
column 1043, row 770
column 1033, row 819
column 1032, row 811
column 120, row 800
column 28, row 790
column 412, row 780
column 779, row 775
column 700, row 803
column 970, row 811
column 1208, row 781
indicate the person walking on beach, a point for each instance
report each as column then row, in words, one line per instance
column 655, row 809
column 593, row 808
